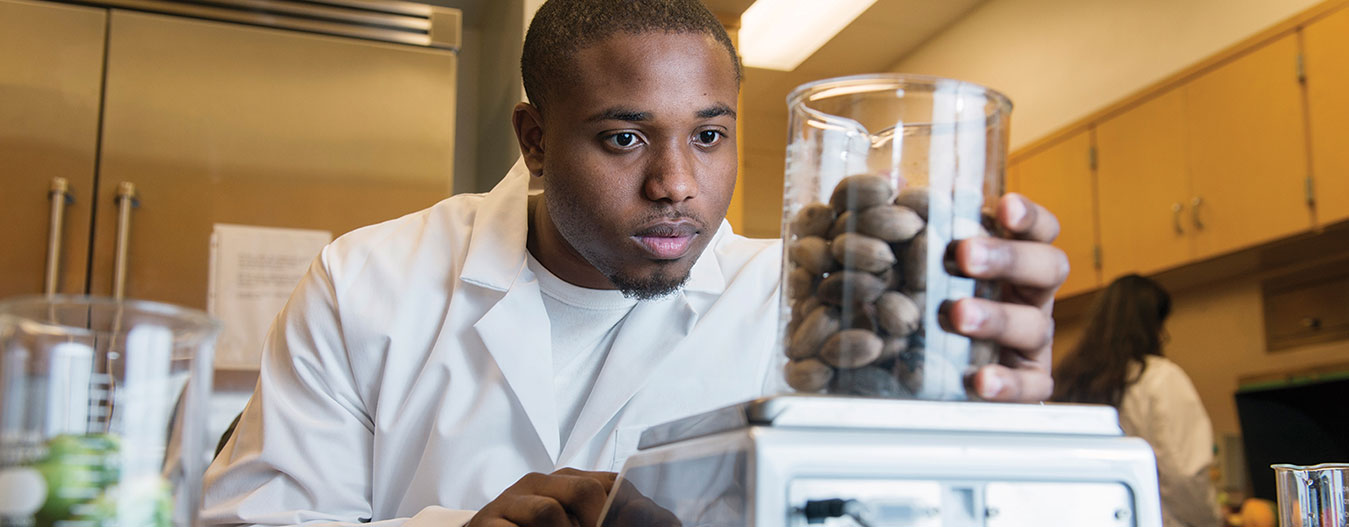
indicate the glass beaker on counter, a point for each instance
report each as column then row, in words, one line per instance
column 103, row 413
column 882, row 173
column 1313, row 496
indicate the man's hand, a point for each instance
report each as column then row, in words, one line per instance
column 1021, row 324
column 566, row 498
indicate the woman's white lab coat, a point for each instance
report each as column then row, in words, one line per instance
column 410, row 374
column 1164, row 408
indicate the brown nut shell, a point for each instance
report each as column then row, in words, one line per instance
column 868, row 382
column 846, row 222
column 892, row 223
column 801, row 308
column 814, row 330
column 808, row 375
column 862, row 252
column 800, row 283
column 813, row 220
column 897, row 314
column 861, row 191
column 861, row 316
column 812, row 254
column 915, row 199
column 850, row 287
column 915, row 263
column 851, row 348
column 892, row 347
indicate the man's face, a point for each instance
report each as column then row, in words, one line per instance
column 640, row 156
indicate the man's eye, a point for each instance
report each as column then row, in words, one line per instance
column 708, row 137
column 623, row 139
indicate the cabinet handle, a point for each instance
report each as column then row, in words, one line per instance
column 1175, row 216
column 60, row 197
column 1194, row 212
column 126, row 200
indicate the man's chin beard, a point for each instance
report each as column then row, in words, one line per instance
column 651, row 287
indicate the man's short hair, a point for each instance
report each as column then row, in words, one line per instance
column 562, row 27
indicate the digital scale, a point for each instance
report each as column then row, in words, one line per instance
column 797, row 460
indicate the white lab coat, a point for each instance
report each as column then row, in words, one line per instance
column 409, row 376
column 1163, row 408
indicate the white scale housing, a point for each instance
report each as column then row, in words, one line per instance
column 891, row 463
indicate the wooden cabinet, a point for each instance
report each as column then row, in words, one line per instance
column 1214, row 165
column 1144, row 188
column 1247, row 156
column 50, row 75
column 212, row 123
column 1326, row 57
column 1059, row 177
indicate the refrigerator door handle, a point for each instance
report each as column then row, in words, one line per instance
column 126, row 200
column 60, row 196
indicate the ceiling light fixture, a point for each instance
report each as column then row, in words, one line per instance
column 780, row 34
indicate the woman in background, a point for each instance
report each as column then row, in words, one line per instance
column 1119, row 362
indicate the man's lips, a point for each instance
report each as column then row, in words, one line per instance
column 667, row 241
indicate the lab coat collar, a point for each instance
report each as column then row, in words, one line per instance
column 496, row 253
column 496, row 261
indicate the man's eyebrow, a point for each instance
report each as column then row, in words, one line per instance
column 620, row 114
column 716, row 111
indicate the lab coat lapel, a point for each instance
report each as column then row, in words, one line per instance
column 650, row 335
column 515, row 328
column 516, row 333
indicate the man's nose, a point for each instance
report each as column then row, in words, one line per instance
column 671, row 174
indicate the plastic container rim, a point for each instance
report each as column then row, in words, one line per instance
column 195, row 318
column 898, row 80
column 1310, row 468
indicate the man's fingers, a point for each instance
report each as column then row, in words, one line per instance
column 535, row 511
column 1022, row 264
column 1011, row 325
column 1026, row 220
column 996, row 382
column 581, row 493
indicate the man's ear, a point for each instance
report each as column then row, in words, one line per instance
column 528, row 123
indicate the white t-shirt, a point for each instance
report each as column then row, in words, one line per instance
column 583, row 323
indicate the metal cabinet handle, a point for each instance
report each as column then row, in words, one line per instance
column 126, row 200
column 1194, row 212
column 1175, row 216
column 60, row 196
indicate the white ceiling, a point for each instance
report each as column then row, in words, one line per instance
column 878, row 39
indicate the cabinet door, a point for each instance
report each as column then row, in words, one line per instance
column 1248, row 157
column 1143, row 188
column 220, row 123
column 1059, row 178
column 1327, row 63
column 51, row 72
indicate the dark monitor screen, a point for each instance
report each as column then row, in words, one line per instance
column 1299, row 423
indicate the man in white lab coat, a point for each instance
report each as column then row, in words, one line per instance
column 473, row 362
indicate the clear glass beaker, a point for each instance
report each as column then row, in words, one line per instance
column 882, row 173
column 1312, row 496
column 104, row 412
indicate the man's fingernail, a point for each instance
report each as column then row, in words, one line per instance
column 976, row 257
column 991, row 386
column 972, row 318
column 1016, row 211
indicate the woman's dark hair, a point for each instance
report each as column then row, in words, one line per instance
column 1125, row 327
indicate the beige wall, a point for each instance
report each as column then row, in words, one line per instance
column 1059, row 60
